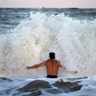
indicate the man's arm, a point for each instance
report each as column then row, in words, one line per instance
column 60, row 65
column 36, row 66
column 74, row 72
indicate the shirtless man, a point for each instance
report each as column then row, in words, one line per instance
column 51, row 64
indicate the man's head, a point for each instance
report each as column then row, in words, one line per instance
column 52, row 55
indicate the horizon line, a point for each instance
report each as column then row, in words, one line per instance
column 54, row 7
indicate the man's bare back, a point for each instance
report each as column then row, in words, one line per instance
column 52, row 66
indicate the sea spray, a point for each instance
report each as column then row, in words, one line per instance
column 30, row 42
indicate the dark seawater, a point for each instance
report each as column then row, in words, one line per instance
column 11, row 17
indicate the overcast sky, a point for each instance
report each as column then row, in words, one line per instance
column 48, row 3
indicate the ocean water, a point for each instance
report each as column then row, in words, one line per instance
column 26, row 38
column 85, row 86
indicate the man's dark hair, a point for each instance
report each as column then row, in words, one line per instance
column 52, row 55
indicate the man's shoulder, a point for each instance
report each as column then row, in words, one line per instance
column 56, row 60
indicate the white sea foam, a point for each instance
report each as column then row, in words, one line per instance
column 73, row 41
